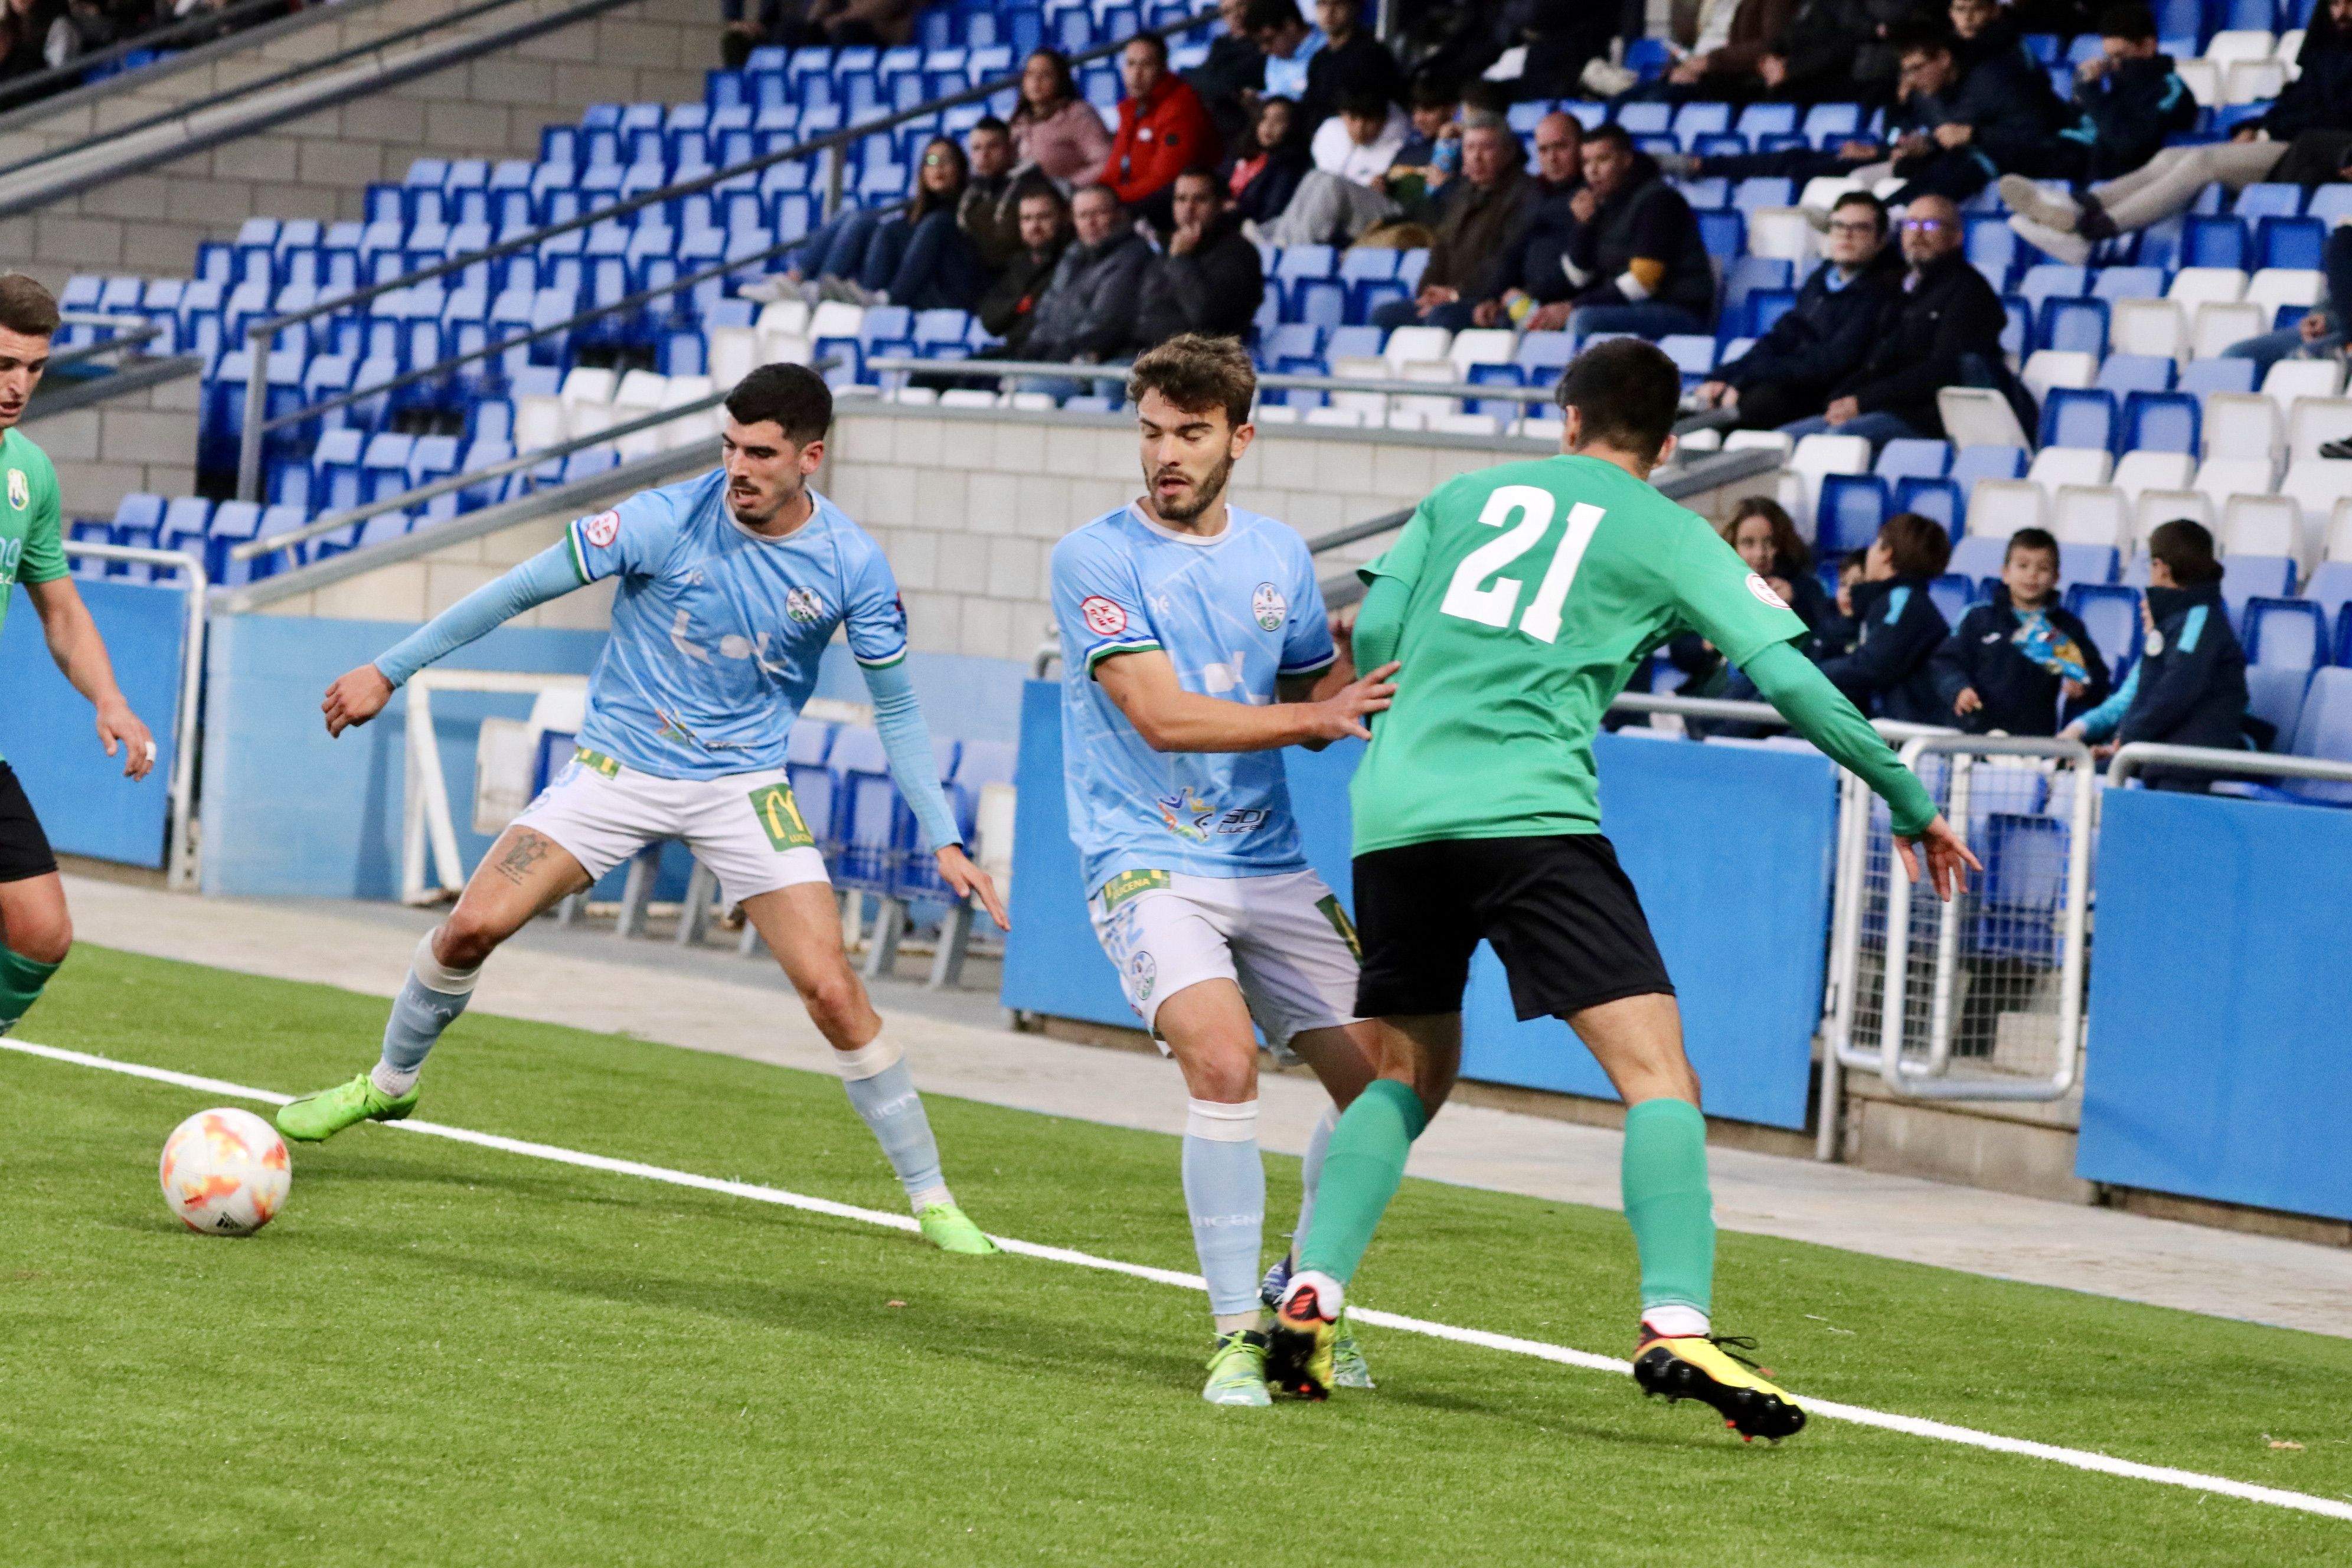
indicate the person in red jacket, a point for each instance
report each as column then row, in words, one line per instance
column 1163, row 130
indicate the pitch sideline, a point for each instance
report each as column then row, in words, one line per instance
column 1967, row 1437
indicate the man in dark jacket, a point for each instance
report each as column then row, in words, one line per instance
column 1087, row 311
column 1633, row 261
column 1352, row 62
column 1230, row 81
column 2127, row 100
column 1941, row 328
column 1209, row 280
column 1826, row 335
column 2022, row 662
column 989, row 211
column 1484, row 212
column 1010, row 305
column 1837, row 51
column 1530, row 275
column 2188, row 687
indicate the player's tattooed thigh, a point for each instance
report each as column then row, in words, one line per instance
column 525, row 852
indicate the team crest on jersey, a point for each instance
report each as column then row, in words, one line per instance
column 1763, row 590
column 805, row 607
column 1268, row 605
column 1186, row 815
column 1104, row 618
column 20, row 494
column 602, row 529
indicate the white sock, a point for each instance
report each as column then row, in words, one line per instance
column 394, row 1082
column 1675, row 1322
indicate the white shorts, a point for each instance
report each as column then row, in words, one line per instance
column 1283, row 939
column 745, row 827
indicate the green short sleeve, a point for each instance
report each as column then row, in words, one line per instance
column 44, row 543
column 1403, row 560
column 1718, row 598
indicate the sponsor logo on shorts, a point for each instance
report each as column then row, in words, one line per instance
column 1127, row 884
column 1104, row 618
column 598, row 762
column 602, row 528
column 781, row 819
column 1145, row 971
column 1763, row 590
column 1269, row 606
column 20, row 492
column 805, row 607
column 1329, row 904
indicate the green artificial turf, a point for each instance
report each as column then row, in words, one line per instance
column 444, row 1354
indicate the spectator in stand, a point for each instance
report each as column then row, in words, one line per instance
column 1825, row 336
column 1264, row 183
column 1567, row 45
column 923, row 260
column 1840, row 51
column 1764, row 535
column 1481, row 217
column 1350, row 64
column 2128, row 102
column 1232, row 80
column 2303, row 138
column 1432, row 154
column 2321, row 334
column 1634, row 258
column 1210, row 278
column 1839, row 630
column 838, row 24
column 1724, row 44
column 1532, row 275
column 1941, row 327
column 1890, row 673
column 1010, row 305
column 1289, row 46
column 1163, row 130
column 2020, row 663
column 990, row 212
column 1340, row 197
column 1055, row 132
column 1087, row 311
column 2188, row 687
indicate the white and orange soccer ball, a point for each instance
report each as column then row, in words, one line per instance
column 224, row 1172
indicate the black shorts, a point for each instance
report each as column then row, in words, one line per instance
column 1562, row 914
column 24, row 848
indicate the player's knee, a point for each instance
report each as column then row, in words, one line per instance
column 1227, row 1079
column 467, row 941
column 44, row 941
column 833, row 999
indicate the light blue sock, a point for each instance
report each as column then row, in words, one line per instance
column 883, row 1090
column 1225, row 1189
column 429, row 1002
column 1310, row 1173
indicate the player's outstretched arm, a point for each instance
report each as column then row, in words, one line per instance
column 80, row 654
column 360, row 695
column 907, row 742
column 1170, row 718
column 1820, row 712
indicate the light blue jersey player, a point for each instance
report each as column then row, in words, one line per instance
column 728, row 588
column 1194, row 647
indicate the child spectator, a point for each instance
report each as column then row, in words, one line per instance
column 1834, row 637
column 1765, row 537
column 2188, row 687
column 2020, row 663
column 1887, row 675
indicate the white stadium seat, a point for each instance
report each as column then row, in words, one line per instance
column 2138, row 471
column 2157, row 507
column 2293, row 378
column 2090, row 515
column 2155, row 327
column 1782, row 234
column 2262, row 525
column 2233, row 44
column 2313, row 421
column 2195, row 286
column 2253, row 81
column 1818, row 454
column 2241, row 424
column 2046, row 368
column 1999, row 508
column 1481, row 345
column 1407, row 344
column 2202, row 79
column 2274, row 286
column 2218, row 325
column 2220, row 477
column 2055, row 466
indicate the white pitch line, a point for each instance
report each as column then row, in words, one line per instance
column 1917, row 1426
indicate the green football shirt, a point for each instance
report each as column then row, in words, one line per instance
column 1537, row 590
column 32, row 533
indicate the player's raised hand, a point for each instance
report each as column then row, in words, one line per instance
column 1948, row 859
column 356, row 697
column 121, row 733
column 1343, row 713
column 969, row 882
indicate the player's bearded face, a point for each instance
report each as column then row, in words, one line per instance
column 1186, row 482
column 763, row 472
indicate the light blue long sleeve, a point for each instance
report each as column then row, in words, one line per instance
column 2101, row 722
column 549, row 574
column 906, row 741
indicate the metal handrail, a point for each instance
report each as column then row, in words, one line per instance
column 2128, row 761
column 159, row 37
column 834, row 143
column 146, row 332
column 1003, row 369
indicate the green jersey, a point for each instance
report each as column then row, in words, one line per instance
column 1536, row 589
column 32, row 534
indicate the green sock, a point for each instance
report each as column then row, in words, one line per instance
column 1360, row 1172
column 1667, row 1201
column 21, row 980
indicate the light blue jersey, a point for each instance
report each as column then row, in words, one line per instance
column 1233, row 614
column 717, row 632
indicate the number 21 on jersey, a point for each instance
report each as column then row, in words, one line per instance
column 1470, row 597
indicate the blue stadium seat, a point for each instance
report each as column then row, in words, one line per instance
column 2079, row 417
column 2214, row 241
column 1952, row 595
column 1973, row 463
column 2089, row 563
column 1849, row 511
column 2048, row 281
column 2025, row 875
column 2274, row 695
column 2161, row 422
column 2268, row 200
column 1940, row 499
column 2125, row 374
column 2199, row 377
column 2286, row 633
column 2127, row 283
column 2246, row 578
column 2325, row 730
column 1907, row 456
column 2295, row 242
column 2077, row 325
column 2330, row 588
column 1975, row 556
column 2111, row 615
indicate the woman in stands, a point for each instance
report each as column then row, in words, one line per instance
column 1765, row 537
column 1264, row 183
column 1054, row 130
column 1888, row 675
column 923, row 260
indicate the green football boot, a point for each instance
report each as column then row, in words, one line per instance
column 948, row 1228
column 1348, row 1367
column 1237, row 1369
column 315, row 1118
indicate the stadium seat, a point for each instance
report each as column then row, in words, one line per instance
column 2081, row 418
column 2111, row 615
column 1817, row 456
column 2089, row 516
column 1848, row 513
column 2145, row 468
column 2292, row 634
column 1940, row 499
column 2242, row 425
column 2055, row 466
column 2262, row 525
column 1999, row 508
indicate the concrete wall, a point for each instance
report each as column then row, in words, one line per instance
column 320, row 167
column 140, row 441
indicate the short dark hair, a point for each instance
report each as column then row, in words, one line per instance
column 1919, row 545
column 1152, row 41
column 1853, row 561
column 1198, row 372
column 1790, row 556
column 1207, row 176
column 1929, row 41
column 1364, row 104
column 990, row 122
column 1264, row 14
column 792, row 395
column 1611, row 132
column 1864, row 199
column 1626, row 392
column 2031, row 539
column 1434, row 92
column 1098, row 185
column 2186, row 548
column 27, row 307
column 2133, row 23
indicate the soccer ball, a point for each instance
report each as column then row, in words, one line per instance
column 224, row 1172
